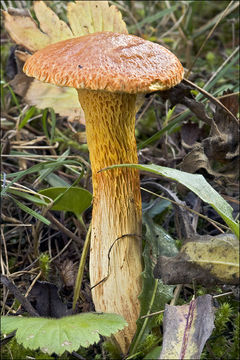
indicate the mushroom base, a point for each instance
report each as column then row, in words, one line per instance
column 116, row 251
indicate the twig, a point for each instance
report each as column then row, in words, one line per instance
column 211, row 98
column 213, row 222
column 16, row 292
column 62, row 228
column 162, row 311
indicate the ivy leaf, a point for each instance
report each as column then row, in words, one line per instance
column 58, row 335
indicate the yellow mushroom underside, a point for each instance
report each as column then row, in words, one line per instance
column 110, row 124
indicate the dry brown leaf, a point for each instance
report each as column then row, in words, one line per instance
column 195, row 160
column 186, row 328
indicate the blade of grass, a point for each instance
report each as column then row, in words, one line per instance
column 214, row 20
column 53, row 117
column 46, row 172
column 44, row 123
column 222, row 15
column 152, row 18
column 78, row 283
column 30, row 211
column 27, row 116
column 36, row 168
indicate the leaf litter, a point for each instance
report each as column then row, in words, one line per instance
column 206, row 140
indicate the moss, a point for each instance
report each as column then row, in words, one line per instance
column 13, row 350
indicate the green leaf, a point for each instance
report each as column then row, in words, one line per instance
column 197, row 184
column 74, row 199
column 153, row 354
column 66, row 333
column 154, row 293
column 55, row 181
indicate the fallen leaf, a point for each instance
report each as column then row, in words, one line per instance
column 84, row 17
column 24, row 30
column 196, row 160
column 206, row 260
column 87, row 17
column 47, row 300
column 56, row 29
column 186, row 328
column 63, row 100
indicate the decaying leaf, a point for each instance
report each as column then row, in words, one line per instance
column 63, row 100
column 24, row 30
column 47, row 300
column 56, row 29
column 186, row 328
column 222, row 144
column 84, row 17
column 205, row 260
column 196, row 159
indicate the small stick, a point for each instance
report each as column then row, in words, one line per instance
column 16, row 292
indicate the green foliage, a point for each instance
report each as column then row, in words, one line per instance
column 44, row 264
column 198, row 185
column 16, row 351
column 74, row 199
column 224, row 342
column 112, row 350
column 66, row 333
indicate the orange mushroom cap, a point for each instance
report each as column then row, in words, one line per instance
column 106, row 61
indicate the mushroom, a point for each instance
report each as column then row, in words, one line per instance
column 109, row 70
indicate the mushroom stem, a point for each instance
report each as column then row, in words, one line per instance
column 110, row 127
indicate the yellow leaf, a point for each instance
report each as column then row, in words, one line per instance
column 93, row 16
column 84, row 17
column 23, row 29
column 56, row 29
column 63, row 100
column 204, row 259
column 219, row 255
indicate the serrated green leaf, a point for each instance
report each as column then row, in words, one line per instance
column 66, row 333
column 197, row 184
column 74, row 199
